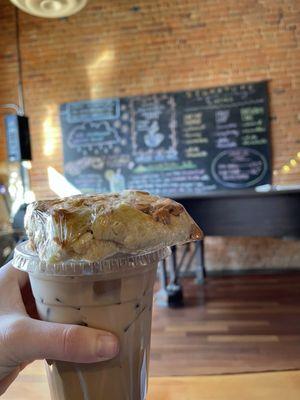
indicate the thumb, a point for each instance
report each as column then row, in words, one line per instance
column 32, row 339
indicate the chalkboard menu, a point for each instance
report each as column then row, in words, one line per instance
column 174, row 144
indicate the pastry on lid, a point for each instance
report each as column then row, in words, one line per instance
column 94, row 227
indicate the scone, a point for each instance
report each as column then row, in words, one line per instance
column 94, row 227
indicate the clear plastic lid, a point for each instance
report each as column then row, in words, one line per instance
column 26, row 260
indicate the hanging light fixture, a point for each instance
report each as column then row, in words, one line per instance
column 50, row 8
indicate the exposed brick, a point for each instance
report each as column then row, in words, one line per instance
column 122, row 48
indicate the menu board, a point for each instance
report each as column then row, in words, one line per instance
column 174, row 144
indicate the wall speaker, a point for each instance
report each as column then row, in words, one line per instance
column 17, row 138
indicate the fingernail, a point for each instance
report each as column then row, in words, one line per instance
column 108, row 346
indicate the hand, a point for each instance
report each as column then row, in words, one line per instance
column 23, row 338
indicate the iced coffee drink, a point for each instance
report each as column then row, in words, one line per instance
column 92, row 261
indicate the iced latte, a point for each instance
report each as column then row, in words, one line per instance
column 92, row 261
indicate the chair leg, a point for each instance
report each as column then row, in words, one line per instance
column 174, row 289
column 170, row 294
column 173, row 267
column 162, row 271
column 161, row 297
column 200, row 263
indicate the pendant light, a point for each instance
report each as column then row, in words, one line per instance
column 50, row 8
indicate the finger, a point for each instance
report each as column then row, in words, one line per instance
column 9, row 272
column 29, row 301
column 18, row 281
column 15, row 285
column 34, row 339
column 10, row 280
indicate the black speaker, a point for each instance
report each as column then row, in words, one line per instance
column 17, row 138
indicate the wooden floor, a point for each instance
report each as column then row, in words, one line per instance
column 32, row 385
column 230, row 325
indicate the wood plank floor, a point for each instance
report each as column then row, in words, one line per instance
column 32, row 385
column 230, row 325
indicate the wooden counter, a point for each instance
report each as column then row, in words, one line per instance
column 32, row 385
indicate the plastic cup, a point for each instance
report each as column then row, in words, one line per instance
column 114, row 295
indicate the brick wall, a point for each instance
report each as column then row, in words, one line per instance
column 120, row 47
column 115, row 48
